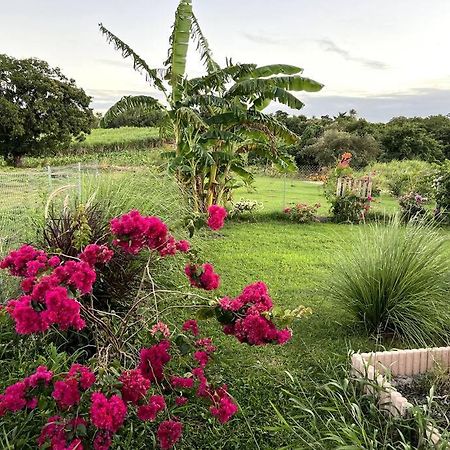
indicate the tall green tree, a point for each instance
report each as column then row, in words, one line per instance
column 218, row 117
column 40, row 109
column 404, row 138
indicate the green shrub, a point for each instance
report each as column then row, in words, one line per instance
column 349, row 208
column 442, row 191
column 412, row 206
column 243, row 207
column 302, row 213
column 400, row 177
column 396, row 280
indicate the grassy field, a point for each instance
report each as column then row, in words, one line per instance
column 126, row 146
column 105, row 136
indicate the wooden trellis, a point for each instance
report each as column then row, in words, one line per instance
column 361, row 187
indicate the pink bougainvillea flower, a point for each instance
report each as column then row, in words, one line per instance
column 94, row 254
column 107, row 414
column 180, row 401
column 102, row 440
column 249, row 322
column 202, row 277
column 216, row 217
column 202, row 358
column 134, row 386
column 183, row 246
column 192, row 326
column 66, row 393
column 160, row 327
column 182, row 382
column 169, row 433
column 153, row 360
column 149, row 411
column 223, row 407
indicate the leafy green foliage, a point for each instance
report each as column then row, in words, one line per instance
column 401, row 177
column 138, row 111
column 405, row 139
column 40, row 109
column 442, row 193
column 395, row 279
column 349, row 208
column 324, row 139
column 327, row 149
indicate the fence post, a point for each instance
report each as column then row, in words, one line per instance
column 79, row 179
column 50, row 182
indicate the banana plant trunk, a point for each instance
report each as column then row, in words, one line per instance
column 212, row 185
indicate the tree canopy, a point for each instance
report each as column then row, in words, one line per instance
column 40, row 109
column 324, row 139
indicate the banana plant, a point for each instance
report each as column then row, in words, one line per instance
column 217, row 118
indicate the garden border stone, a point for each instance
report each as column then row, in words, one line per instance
column 378, row 366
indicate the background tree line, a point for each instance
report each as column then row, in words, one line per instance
column 323, row 139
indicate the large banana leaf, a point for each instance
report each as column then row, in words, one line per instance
column 217, row 80
column 280, row 95
column 274, row 69
column 206, row 100
column 151, row 75
column 254, row 120
column 255, row 86
column 188, row 117
column 220, row 135
column 179, row 44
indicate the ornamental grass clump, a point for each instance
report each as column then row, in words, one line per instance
column 396, row 280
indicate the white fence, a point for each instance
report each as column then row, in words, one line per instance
column 23, row 195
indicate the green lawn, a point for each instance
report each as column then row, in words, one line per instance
column 277, row 193
column 296, row 261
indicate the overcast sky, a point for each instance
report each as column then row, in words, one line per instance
column 382, row 57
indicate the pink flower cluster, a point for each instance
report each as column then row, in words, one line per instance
column 22, row 394
column 67, row 392
column 246, row 317
column 134, row 232
column 216, row 217
column 94, row 254
column 50, row 288
column 104, row 414
column 107, row 414
column 202, row 277
column 56, row 432
column 169, row 433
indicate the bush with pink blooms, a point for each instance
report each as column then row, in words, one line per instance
column 302, row 212
column 147, row 376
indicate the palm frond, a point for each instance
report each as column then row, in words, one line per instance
column 203, row 46
column 274, row 69
column 218, row 79
column 129, row 102
column 139, row 64
column 190, row 118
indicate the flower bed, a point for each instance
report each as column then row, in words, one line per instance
column 379, row 367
